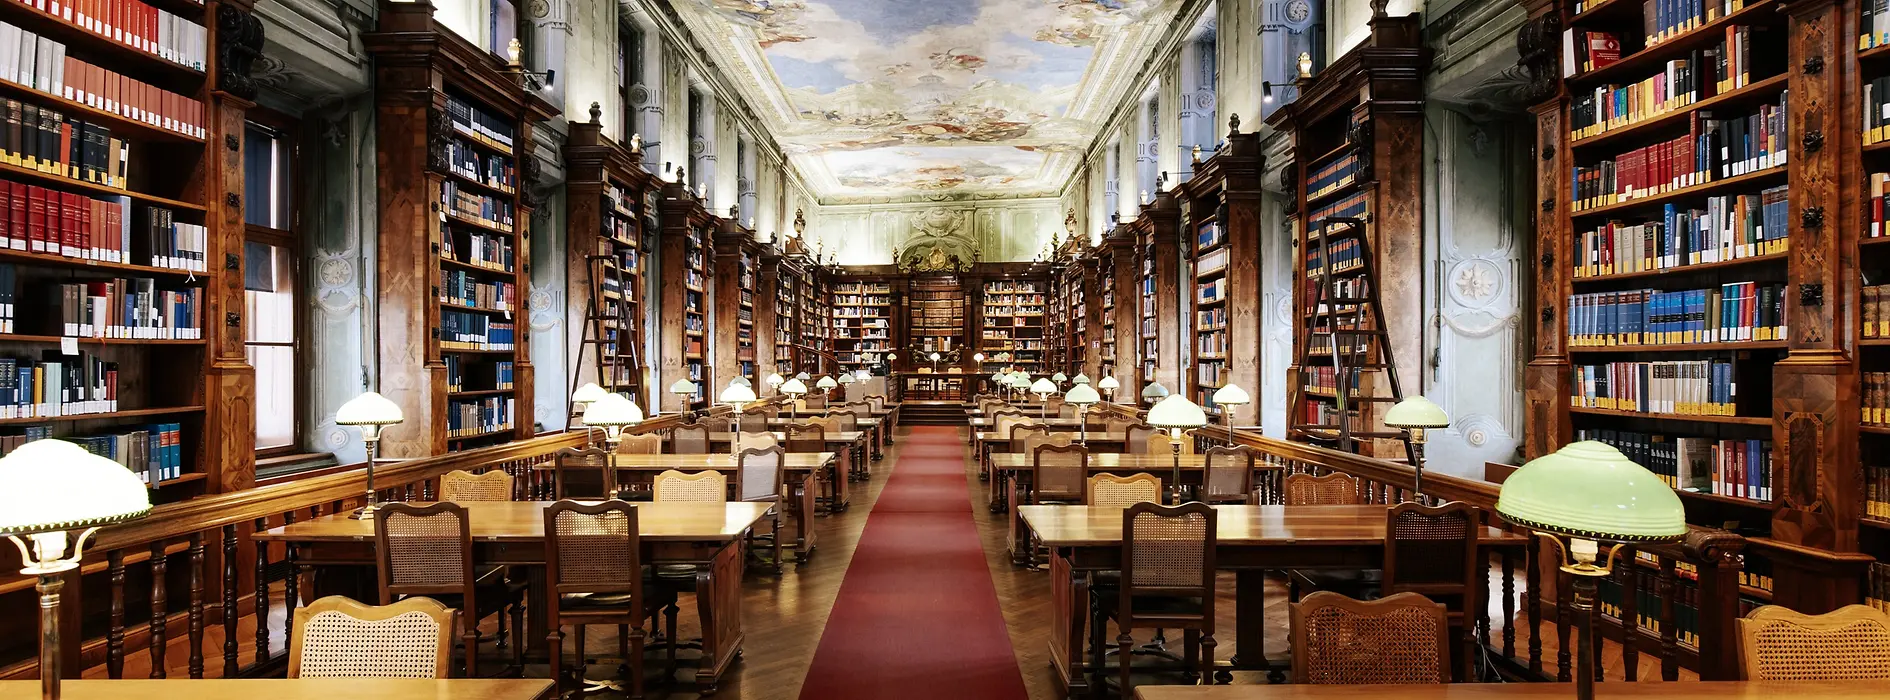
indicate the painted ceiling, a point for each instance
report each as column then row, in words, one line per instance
column 931, row 100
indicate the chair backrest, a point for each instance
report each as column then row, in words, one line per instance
column 754, row 421
column 843, row 420
column 1335, row 489
column 423, row 550
column 461, row 486
column 583, row 473
column 690, row 439
column 1135, row 438
column 1431, row 550
column 1396, row 639
column 762, row 474
column 831, row 423
column 1168, row 551
column 1040, row 437
column 338, row 637
column 805, row 437
column 1004, row 419
column 1229, row 475
column 1054, row 404
column 1111, row 491
column 643, row 444
column 1117, row 423
column 1851, row 643
column 1161, row 444
column 716, row 424
column 1060, row 472
column 593, row 548
column 673, row 486
column 1068, row 410
column 817, row 399
column 876, row 402
column 758, row 441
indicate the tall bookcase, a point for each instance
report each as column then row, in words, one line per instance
column 1771, row 411
column 737, row 277
column 1070, row 328
column 1012, row 323
column 452, row 351
column 936, row 320
column 784, row 275
column 1356, row 130
column 611, row 212
column 1223, row 230
column 1156, row 232
column 1121, row 273
column 1102, row 267
column 687, row 251
column 861, row 321
column 814, row 311
column 170, row 397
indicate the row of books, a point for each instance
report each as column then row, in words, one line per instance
column 1877, row 491
column 1328, row 414
column 57, row 385
column 489, row 210
column 467, row 330
column 1324, row 343
column 473, row 164
column 1209, row 376
column 41, row 63
column 1008, row 315
column 1703, row 74
column 1355, row 205
column 1876, row 398
column 1611, row 599
column 488, row 375
column 1875, row 213
column 1211, row 343
column 1714, row 149
column 1668, row 387
column 491, row 252
column 478, row 123
column 1877, row 594
column 861, row 300
column 459, row 287
column 1740, row 468
column 1210, row 318
column 1876, row 110
column 1010, row 288
column 1730, row 227
column 154, row 452
column 116, row 308
column 862, row 288
column 1876, row 311
column 1208, row 235
column 134, row 24
column 468, row 417
column 1332, row 176
column 1731, row 312
column 109, row 229
column 1325, row 378
column 1210, row 291
column 48, row 141
column 1343, row 255
column 1028, row 298
column 1874, row 25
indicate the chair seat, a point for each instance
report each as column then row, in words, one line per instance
column 1146, row 606
column 1355, row 583
column 670, row 572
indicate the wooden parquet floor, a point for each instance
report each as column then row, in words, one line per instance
column 784, row 617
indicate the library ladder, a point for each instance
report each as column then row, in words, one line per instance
column 1352, row 343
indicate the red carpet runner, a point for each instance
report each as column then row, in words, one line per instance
column 917, row 616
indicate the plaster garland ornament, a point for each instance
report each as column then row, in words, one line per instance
column 335, row 291
column 545, row 309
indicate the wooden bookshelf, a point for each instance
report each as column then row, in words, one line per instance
column 1069, row 328
column 1102, row 264
column 1157, row 235
column 1353, row 128
column 686, row 253
column 737, row 279
column 1223, row 230
column 444, row 325
column 862, row 321
column 780, row 293
column 1012, row 323
column 812, row 356
column 935, row 315
column 611, row 212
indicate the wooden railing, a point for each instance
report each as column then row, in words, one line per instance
column 190, row 570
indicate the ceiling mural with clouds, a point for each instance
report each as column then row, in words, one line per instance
column 931, row 100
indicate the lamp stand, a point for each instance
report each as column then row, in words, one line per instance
column 1174, row 446
column 371, row 438
column 613, row 436
column 1414, row 451
column 1082, row 415
column 49, row 587
column 1582, row 590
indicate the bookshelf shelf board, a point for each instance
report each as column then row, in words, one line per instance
column 1684, row 269
column 44, row 258
column 457, row 218
column 1732, row 420
column 477, row 184
column 1336, row 192
column 446, row 351
column 475, row 436
column 1714, row 187
column 1753, row 92
column 117, row 122
column 120, row 57
column 463, row 307
column 1873, row 342
column 1214, row 302
column 182, row 479
column 474, row 268
column 1879, row 523
column 1877, row 148
column 1761, row 12
column 14, row 338
column 1605, row 8
column 479, row 392
column 1875, row 53
column 131, row 413
column 484, row 143
column 65, row 183
column 1682, row 347
column 1869, row 242
column 1874, row 429
column 1727, row 500
column 1330, row 155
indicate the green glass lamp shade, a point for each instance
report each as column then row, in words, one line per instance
column 827, row 382
column 1043, row 386
column 1080, row 378
column 683, row 386
column 744, row 381
column 370, row 408
column 1108, row 383
column 1176, row 411
column 1589, row 489
column 1082, row 395
column 613, row 410
column 736, row 393
column 794, row 386
column 588, row 393
column 1231, row 395
column 1059, row 378
column 1154, row 391
column 1417, row 412
column 803, row 377
column 846, row 378
column 775, row 379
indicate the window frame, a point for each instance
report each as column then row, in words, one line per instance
column 289, row 239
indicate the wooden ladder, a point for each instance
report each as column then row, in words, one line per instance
column 598, row 339
column 1355, row 341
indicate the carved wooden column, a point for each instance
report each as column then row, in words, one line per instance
column 1093, row 280
column 228, row 456
column 1122, row 246
column 1546, row 417
column 1242, row 164
column 726, row 294
column 1164, row 222
column 767, row 282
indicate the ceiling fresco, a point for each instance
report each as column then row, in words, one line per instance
column 931, row 100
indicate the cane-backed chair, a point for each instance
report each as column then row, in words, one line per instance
column 673, row 486
column 1136, row 436
column 818, row 399
column 338, row 637
column 1111, row 491
column 692, row 439
column 1167, row 582
column 460, row 486
column 640, row 444
column 804, row 437
column 1068, row 410
column 1335, row 489
column 844, row 420
column 1027, row 438
column 876, row 402
column 1053, row 405
column 758, row 440
column 593, row 568
column 1851, row 643
column 1432, row 551
column 1112, row 422
column 754, row 421
column 427, row 551
column 762, row 477
column 1161, row 444
column 583, row 473
column 1227, row 476
column 1059, row 473
column 1340, row 641
column 716, row 424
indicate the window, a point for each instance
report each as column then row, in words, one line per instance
column 502, row 28
column 269, row 279
column 629, row 73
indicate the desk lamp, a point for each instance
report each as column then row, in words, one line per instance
column 795, row 389
column 737, row 395
column 1083, row 395
column 612, row 413
column 685, row 392
column 583, row 398
column 1229, row 396
column 1109, row 385
column 1176, row 413
column 775, row 380
column 1043, row 389
column 1059, row 378
column 1154, row 392
column 372, row 413
column 1414, row 415
column 825, row 385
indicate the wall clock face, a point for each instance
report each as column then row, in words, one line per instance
column 1298, row 10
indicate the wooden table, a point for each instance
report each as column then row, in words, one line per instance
column 878, row 427
column 800, row 467
column 705, row 535
column 985, row 445
column 1008, row 467
column 1700, row 690
column 1054, row 423
column 1248, row 540
column 289, row 689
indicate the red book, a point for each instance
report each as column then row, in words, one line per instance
column 36, row 221
column 84, row 207
column 1603, row 49
column 6, row 213
column 18, row 226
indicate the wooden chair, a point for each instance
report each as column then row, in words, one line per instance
column 1340, row 641
column 1335, row 489
column 427, row 551
column 593, row 566
column 1053, row 406
column 1027, row 438
column 1136, row 436
column 716, row 424
column 690, row 439
column 1112, row 422
column 673, row 486
column 804, row 437
column 1167, row 583
column 1851, row 643
column 1160, row 444
column 1111, row 491
column 818, row 399
column 1068, row 410
column 1228, row 476
column 1060, row 474
column 844, row 420
column 583, row 473
column 1432, row 551
column 460, row 486
column 762, row 478
column 876, row 402
column 644, row 444
column 758, row 440
column 338, row 637
column 831, row 423
column 754, row 421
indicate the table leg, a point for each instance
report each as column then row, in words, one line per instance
column 1250, row 620
column 841, row 470
column 536, row 587
column 1069, row 606
column 719, row 607
column 804, row 516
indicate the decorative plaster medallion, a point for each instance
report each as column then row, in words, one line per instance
column 335, row 293
column 538, row 9
column 333, row 437
column 546, row 307
column 1480, row 429
column 1475, row 282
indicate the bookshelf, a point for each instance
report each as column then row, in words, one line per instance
column 1156, row 232
column 452, row 351
column 780, row 286
column 610, row 196
column 813, row 310
column 737, row 278
column 1102, row 268
column 686, row 252
column 1070, row 328
column 127, row 226
column 1011, row 324
column 861, row 321
column 1223, row 252
column 1352, row 158
column 936, row 320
